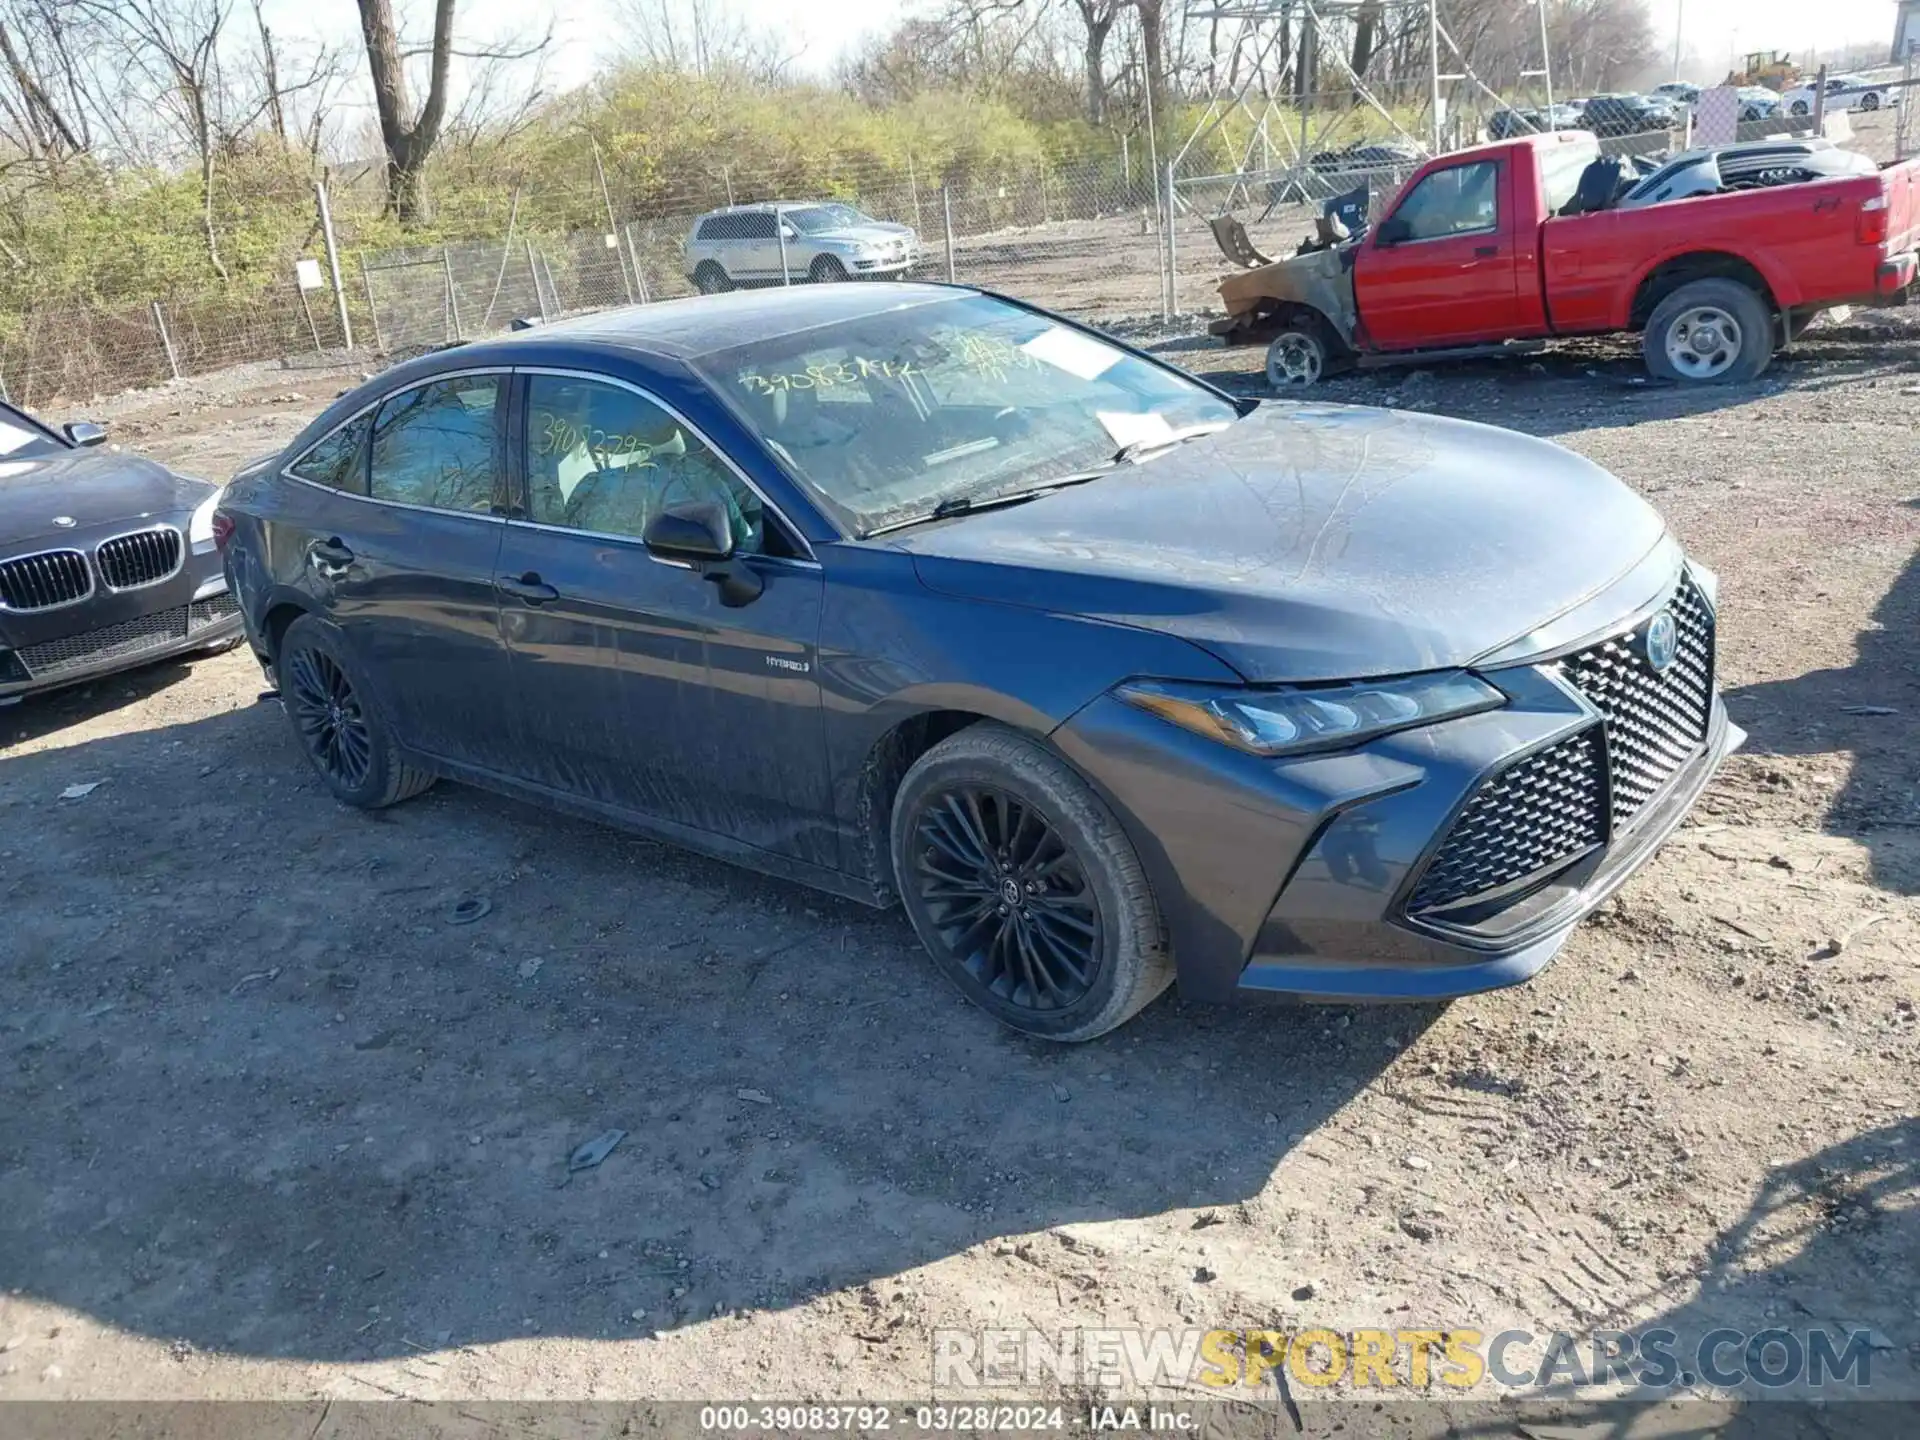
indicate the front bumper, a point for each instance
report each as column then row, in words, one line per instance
column 1303, row 877
column 191, row 611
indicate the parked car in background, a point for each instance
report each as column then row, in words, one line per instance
column 1489, row 249
column 1757, row 103
column 1678, row 92
column 1531, row 120
column 107, row 560
column 1613, row 117
column 915, row 593
column 1844, row 92
column 819, row 241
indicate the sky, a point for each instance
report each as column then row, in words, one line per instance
column 587, row 31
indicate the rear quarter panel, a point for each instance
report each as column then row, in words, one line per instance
column 1799, row 237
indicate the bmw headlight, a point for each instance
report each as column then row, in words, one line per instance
column 200, row 528
column 1287, row 721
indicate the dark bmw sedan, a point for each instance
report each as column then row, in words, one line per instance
column 107, row 560
column 915, row 593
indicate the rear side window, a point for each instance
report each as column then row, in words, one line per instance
column 757, row 226
column 340, row 460
column 437, row 445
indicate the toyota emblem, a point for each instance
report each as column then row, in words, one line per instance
column 1662, row 642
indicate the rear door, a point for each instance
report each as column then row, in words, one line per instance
column 635, row 686
column 760, row 247
column 399, row 520
column 1442, row 268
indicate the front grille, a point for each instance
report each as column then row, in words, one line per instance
column 1655, row 722
column 40, row 582
column 121, row 640
column 203, row 613
column 1536, row 815
column 143, row 558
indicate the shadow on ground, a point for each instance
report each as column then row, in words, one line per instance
column 264, row 1095
column 1870, row 708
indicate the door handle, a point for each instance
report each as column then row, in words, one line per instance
column 1485, row 252
column 330, row 557
column 528, row 587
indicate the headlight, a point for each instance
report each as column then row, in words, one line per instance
column 200, row 528
column 1288, row 721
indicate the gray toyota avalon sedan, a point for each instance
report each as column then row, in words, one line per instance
column 914, row 593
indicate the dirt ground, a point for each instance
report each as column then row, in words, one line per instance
column 272, row 1124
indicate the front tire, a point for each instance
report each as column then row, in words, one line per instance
column 826, row 270
column 337, row 727
column 1799, row 107
column 1297, row 357
column 1870, row 101
column 1024, row 888
column 1709, row 332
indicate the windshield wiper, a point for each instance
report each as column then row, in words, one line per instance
column 1129, row 454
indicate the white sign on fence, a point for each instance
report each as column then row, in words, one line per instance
column 307, row 272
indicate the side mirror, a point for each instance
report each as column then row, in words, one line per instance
column 84, row 432
column 698, row 533
column 787, row 232
column 691, row 530
column 1394, row 230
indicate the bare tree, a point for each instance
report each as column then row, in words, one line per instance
column 176, row 44
column 702, row 37
column 1096, row 20
column 409, row 135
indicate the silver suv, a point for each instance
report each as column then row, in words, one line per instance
column 821, row 241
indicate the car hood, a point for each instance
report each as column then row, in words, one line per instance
column 1314, row 542
column 89, row 488
column 878, row 233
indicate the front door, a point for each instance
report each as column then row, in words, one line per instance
column 1441, row 269
column 636, row 686
column 401, row 524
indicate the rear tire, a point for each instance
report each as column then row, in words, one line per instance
column 1870, row 101
column 337, row 727
column 1709, row 332
column 1799, row 107
column 1024, row 888
column 710, row 279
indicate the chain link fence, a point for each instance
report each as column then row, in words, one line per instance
column 1120, row 236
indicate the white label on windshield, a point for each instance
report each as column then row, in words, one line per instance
column 1068, row 350
column 1128, row 429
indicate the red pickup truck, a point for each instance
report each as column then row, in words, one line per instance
column 1476, row 254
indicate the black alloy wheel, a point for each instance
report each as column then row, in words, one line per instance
column 344, row 734
column 329, row 718
column 1008, row 897
column 1024, row 887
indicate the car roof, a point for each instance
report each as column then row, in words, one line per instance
column 700, row 324
column 759, row 206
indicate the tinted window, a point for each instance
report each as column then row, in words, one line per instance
column 601, row 458
column 434, row 445
column 757, row 225
column 340, row 460
column 1457, row 201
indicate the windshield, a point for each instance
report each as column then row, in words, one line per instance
column 885, row 417
column 21, row 439
column 818, row 219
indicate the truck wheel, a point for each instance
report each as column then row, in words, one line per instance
column 1709, row 332
column 1297, row 356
